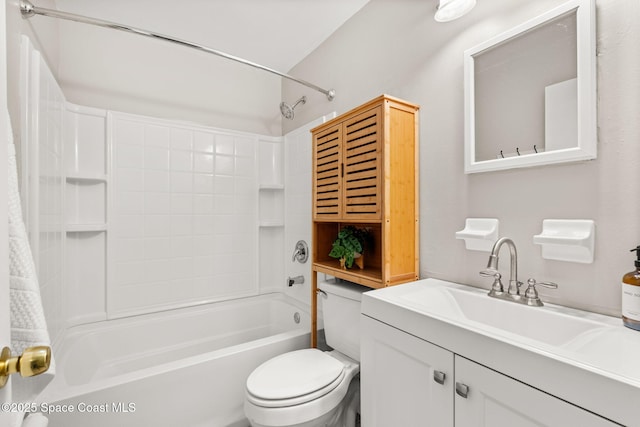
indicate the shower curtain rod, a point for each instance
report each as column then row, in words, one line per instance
column 28, row 10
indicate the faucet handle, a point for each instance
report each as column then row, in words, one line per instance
column 489, row 273
column 497, row 283
column 301, row 252
column 531, row 294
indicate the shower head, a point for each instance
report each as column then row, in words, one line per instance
column 287, row 110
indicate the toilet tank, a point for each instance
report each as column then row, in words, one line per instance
column 341, row 315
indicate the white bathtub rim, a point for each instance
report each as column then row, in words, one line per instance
column 59, row 389
column 112, row 323
column 68, row 337
column 51, row 395
column 102, row 325
column 163, row 307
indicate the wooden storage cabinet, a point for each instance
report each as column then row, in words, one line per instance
column 365, row 174
column 324, row 235
column 348, row 168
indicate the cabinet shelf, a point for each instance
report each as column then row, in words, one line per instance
column 369, row 276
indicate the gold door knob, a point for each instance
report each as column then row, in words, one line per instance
column 34, row 361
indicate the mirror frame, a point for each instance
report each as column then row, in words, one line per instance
column 586, row 148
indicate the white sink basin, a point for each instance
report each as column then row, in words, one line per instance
column 548, row 324
column 557, row 349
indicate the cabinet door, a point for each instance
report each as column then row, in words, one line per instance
column 398, row 379
column 327, row 173
column 496, row 400
column 362, row 158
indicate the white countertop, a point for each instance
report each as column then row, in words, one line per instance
column 588, row 359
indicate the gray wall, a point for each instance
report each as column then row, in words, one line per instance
column 396, row 47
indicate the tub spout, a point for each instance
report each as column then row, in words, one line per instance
column 298, row 280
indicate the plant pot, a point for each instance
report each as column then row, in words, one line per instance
column 359, row 260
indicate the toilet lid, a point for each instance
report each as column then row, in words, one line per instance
column 294, row 374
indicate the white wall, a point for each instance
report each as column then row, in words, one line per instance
column 125, row 72
column 396, row 47
column 108, row 69
column 45, row 39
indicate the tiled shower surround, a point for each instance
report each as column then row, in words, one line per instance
column 130, row 214
column 183, row 216
column 41, row 167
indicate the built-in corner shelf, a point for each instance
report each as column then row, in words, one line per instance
column 86, row 202
column 271, row 224
column 271, row 205
column 571, row 240
column 270, row 218
column 479, row 234
column 85, row 228
column 86, row 179
column 271, row 187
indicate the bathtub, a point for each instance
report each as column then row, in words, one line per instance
column 180, row 368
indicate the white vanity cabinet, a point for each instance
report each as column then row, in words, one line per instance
column 405, row 381
column 496, row 400
column 410, row 382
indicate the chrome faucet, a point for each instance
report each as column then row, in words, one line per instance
column 513, row 291
column 492, row 265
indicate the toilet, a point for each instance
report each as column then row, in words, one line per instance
column 312, row 388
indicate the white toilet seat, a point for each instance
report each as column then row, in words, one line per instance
column 299, row 400
column 294, row 378
column 304, row 407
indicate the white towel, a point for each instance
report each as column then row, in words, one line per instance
column 28, row 325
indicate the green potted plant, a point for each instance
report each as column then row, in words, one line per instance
column 349, row 246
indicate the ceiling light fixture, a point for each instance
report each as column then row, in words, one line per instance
column 448, row 10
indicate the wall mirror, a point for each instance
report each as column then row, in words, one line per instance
column 530, row 93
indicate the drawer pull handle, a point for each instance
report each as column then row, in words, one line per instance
column 462, row 390
column 439, row 376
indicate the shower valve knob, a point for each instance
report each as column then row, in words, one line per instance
column 301, row 252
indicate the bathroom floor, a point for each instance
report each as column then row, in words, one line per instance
column 357, row 421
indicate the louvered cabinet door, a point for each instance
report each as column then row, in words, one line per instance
column 327, row 173
column 362, row 159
